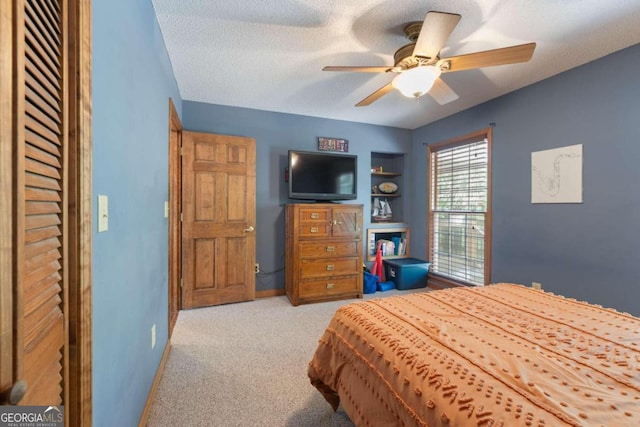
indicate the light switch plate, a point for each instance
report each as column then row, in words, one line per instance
column 166, row 209
column 103, row 213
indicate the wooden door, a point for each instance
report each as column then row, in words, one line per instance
column 218, row 219
column 175, row 207
column 40, row 224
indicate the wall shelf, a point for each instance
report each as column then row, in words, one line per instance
column 386, row 174
column 386, row 167
column 391, row 233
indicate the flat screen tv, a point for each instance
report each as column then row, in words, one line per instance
column 322, row 176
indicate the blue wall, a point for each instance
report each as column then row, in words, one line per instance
column 132, row 83
column 275, row 134
column 588, row 251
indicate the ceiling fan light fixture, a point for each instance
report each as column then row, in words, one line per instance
column 417, row 81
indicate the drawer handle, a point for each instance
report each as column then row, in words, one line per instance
column 330, row 285
column 315, row 215
column 314, row 229
column 330, row 267
column 331, row 248
column 335, row 222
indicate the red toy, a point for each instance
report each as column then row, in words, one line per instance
column 376, row 268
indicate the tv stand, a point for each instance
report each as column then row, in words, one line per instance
column 323, row 252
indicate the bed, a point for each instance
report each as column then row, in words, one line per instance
column 500, row 355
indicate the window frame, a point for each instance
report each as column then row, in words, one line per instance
column 439, row 280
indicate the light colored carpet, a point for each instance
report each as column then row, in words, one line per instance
column 245, row 364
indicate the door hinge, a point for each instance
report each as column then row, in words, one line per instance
column 180, row 216
column 181, row 282
column 181, row 151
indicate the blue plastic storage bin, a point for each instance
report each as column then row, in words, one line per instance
column 407, row 273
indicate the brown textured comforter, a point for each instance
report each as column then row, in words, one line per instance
column 501, row 355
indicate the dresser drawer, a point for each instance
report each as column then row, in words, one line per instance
column 331, row 286
column 329, row 267
column 314, row 214
column 314, row 229
column 328, row 249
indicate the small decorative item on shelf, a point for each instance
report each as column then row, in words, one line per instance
column 387, row 187
column 381, row 210
column 375, row 208
column 376, row 169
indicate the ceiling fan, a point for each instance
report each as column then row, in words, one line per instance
column 418, row 65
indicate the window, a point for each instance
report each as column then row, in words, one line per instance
column 459, row 210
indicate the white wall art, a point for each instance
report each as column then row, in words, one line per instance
column 556, row 175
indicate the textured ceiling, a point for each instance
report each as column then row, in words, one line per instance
column 268, row 54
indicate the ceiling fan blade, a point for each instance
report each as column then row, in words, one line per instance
column 442, row 93
column 488, row 58
column 358, row 69
column 375, row 95
column 436, row 29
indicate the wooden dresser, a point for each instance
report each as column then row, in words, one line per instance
column 324, row 252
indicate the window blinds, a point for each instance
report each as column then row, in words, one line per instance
column 458, row 210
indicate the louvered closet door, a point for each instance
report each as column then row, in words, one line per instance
column 41, row 238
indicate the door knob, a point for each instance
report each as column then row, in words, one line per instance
column 14, row 395
column 249, row 230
